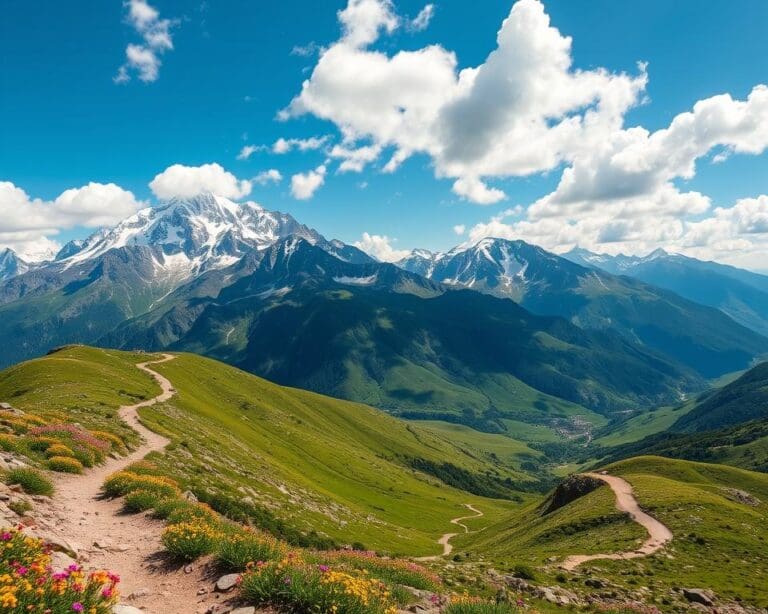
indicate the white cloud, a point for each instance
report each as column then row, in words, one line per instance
column 284, row 146
column 27, row 224
column 422, row 20
column 362, row 20
column 144, row 58
column 247, row 151
column 525, row 110
column 355, row 159
column 459, row 229
column 179, row 181
column 304, row 185
column 475, row 190
column 269, row 176
column 380, row 247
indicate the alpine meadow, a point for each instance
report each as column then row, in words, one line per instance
column 383, row 307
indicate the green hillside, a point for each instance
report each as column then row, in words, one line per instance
column 740, row 401
column 244, row 444
column 717, row 514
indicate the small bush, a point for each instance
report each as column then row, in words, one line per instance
column 166, row 507
column 9, row 443
column 114, row 441
column 65, row 464
column 394, row 571
column 141, row 501
column 524, row 572
column 190, row 540
column 20, row 506
column 189, row 512
column 123, row 482
column 41, row 444
column 236, row 550
column 32, row 481
column 59, row 449
column 475, row 605
column 85, row 456
column 294, row 586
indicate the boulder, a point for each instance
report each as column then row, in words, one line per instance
column 228, row 582
column 699, row 595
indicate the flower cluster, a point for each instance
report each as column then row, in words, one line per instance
column 28, row 583
column 123, row 482
column 189, row 540
column 298, row 586
column 396, row 571
column 238, row 547
column 468, row 604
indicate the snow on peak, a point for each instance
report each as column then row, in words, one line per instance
column 189, row 236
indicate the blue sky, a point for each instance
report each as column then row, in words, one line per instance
column 231, row 69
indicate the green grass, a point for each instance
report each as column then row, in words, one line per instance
column 647, row 423
column 32, row 481
column 261, row 452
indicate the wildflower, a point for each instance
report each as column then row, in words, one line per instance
column 77, row 606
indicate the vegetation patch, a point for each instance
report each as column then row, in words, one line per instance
column 65, row 464
column 32, row 481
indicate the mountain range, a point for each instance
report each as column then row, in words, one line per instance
column 697, row 335
column 436, row 336
column 740, row 294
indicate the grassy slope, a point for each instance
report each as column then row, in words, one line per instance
column 321, row 463
column 719, row 542
column 645, row 424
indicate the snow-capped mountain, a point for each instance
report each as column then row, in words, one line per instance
column 494, row 266
column 619, row 264
column 11, row 264
column 187, row 237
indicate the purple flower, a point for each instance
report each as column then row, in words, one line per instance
column 323, row 568
column 6, row 536
column 287, row 580
column 77, row 606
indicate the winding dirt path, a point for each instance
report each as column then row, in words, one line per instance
column 105, row 538
column 445, row 540
column 658, row 533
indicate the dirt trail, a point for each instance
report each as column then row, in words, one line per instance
column 658, row 534
column 445, row 540
column 105, row 538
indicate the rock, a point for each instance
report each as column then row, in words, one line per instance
column 698, row 595
column 57, row 544
column 16, row 488
column 248, row 610
column 188, row 569
column 594, row 583
column 125, row 609
column 61, row 560
column 202, row 591
column 516, row 583
column 189, row 496
column 139, row 593
column 228, row 582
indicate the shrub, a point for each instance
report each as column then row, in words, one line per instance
column 188, row 512
column 59, row 449
column 141, row 501
column 9, row 443
column 394, row 571
column 65, row 464
column 20, row 506
column 235, row 550
column 524, row 571
column 166, row 507
column 85, row 456
column 114, row 441
column 32, row 481
column 29, row 584
column 41, row 444
column 189, row 540
column 296, row 586
column 123, row 482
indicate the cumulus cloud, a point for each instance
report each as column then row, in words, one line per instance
column 459, row 229
column 28, row 223
column 304, row 185
column 422, row 20
column 247, row 151
column 269, row 176
column 380, row 247
column 143, row 59
column 525, row 110
column 179, row 181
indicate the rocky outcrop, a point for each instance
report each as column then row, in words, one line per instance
column 570, row 489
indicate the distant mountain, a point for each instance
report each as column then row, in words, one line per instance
column 740, row 294
column 11, row 264
column 698, row 336
column 373, row 332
